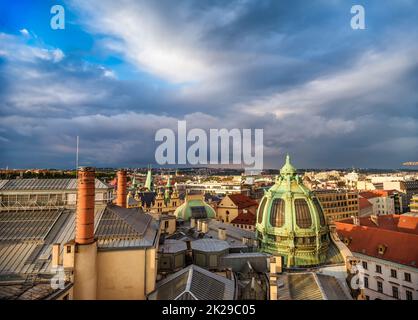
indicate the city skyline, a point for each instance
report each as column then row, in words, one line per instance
column 331, row 96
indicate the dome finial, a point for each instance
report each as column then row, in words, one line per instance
column 288, row 168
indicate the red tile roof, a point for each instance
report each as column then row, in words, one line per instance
column 242, row 201
column 376, row 193
column 364, row 203
column 245, row 218
column 399, row 234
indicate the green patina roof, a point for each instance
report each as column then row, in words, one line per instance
column 291, row 222
column 288, row 168
column 148, row 181
column 192, row 207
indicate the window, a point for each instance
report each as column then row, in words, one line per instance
column 407, row 277
column 379, row 287
column 68, row 249
column 320, row 211
column 303, row 214
column 378, row 269
column 366, row 282
column 393, row 273
column 166, row 224
column 408, row 295
column 277, row 217
column 261, row 210
column 395, row 292
column 364, row 263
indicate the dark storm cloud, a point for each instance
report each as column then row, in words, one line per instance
column 331, row 96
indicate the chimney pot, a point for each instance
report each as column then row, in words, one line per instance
column 222, row 234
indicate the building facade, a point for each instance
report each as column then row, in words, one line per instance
column 231, row 206
column 386, row 247
column 414, row 204
column 338, row 204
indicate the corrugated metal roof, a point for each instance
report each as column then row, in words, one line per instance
column 331, row 288
column 309, row 286
column 45, row 184
column 194, row 283
column 303, row 286
column 27, row 236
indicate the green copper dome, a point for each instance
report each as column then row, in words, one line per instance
column 194, row 207
column 291, row 222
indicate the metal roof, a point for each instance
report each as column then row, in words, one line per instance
column 237, row 261
column 26, row 291
column 231, row 231
column 309, row 286
column 26, row 237
column 45, row 184
column 210, row 245
column 194, row 283
column 172, row 246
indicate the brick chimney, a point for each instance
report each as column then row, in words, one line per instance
column 85, row 206
column 121, row 192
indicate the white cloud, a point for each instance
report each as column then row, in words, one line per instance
column 170, row 43
column 16, row 50
column 24, row 32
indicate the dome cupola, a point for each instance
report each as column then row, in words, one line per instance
column 291, row 222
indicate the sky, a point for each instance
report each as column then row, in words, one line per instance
column 330, row 96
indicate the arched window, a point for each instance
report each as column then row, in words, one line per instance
column 320, row 212
column 303, row 214
column 277, row 216
column 261, row 210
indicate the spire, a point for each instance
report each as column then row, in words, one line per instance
column 168, row 185
column 288, row 168
column 148, row 181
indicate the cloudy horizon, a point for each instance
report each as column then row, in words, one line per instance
column 330, row 96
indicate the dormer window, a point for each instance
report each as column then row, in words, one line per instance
column 381, row 249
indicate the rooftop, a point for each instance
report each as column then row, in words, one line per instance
column 45, row 184
column 26, row 237
column 194, row 283
column 395, row 238
column 309, row 286
column 242, row 201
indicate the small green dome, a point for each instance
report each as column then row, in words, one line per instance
column 195, row 208
column 291, row 222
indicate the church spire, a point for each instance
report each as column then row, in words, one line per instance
column 148, row 181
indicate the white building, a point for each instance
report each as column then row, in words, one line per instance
column 387, row 247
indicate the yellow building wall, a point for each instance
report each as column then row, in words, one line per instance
column 126, row 274
column 225, row 206
column 85, row 272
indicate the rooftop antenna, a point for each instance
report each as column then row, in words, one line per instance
column 76, row 158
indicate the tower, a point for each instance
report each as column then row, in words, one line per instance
column 148, row 182
column 291, row 222
column 168, row 191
